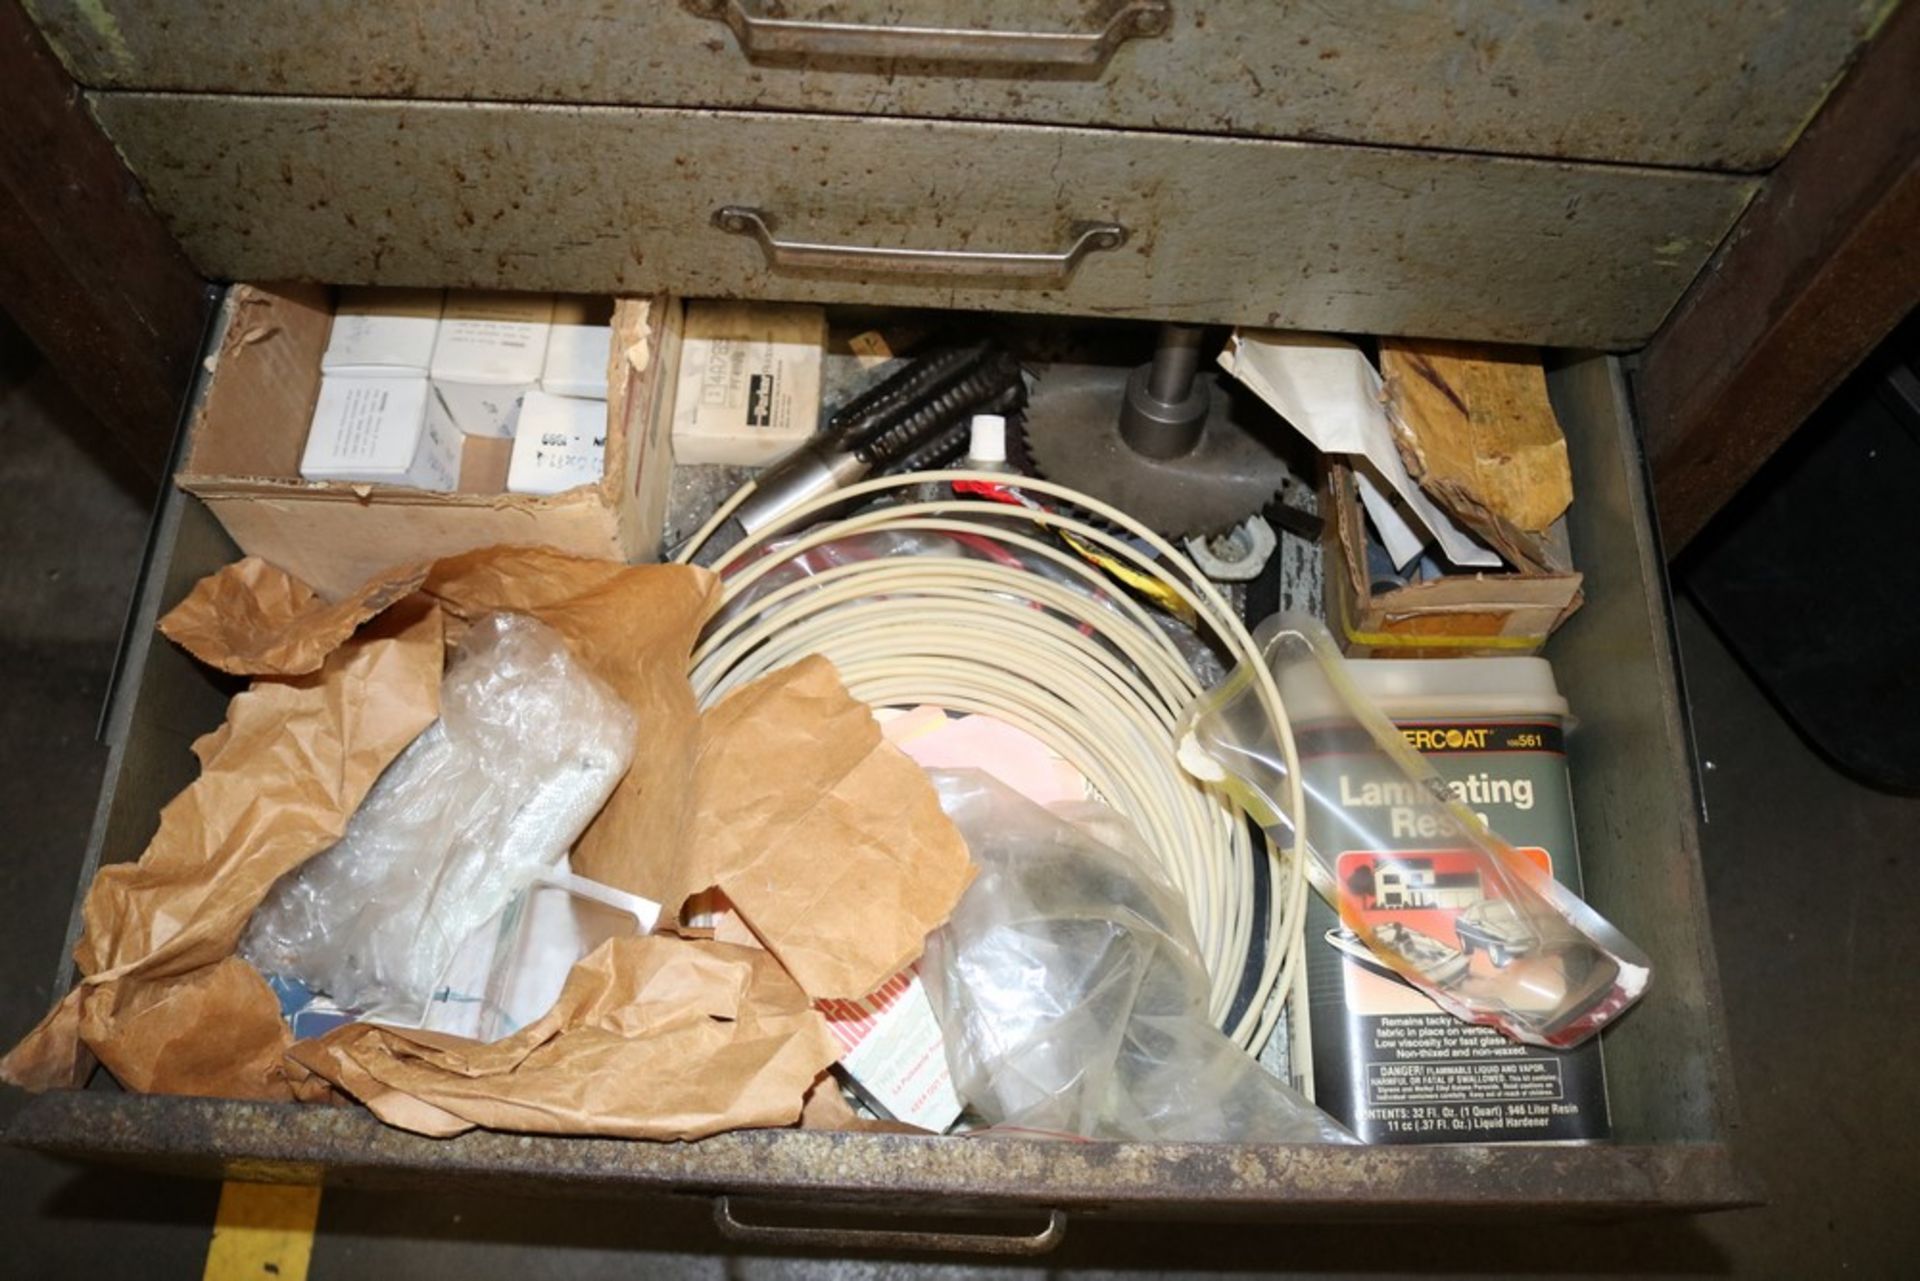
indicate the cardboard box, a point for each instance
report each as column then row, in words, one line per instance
column 578, row 347
column 561, row 444
column 242, row 456
column 383, row 333
column 488, row 355
column 386, row 430
column 749, row 382
column 1457, row 616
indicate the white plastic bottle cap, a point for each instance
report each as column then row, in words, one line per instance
column 987, row 441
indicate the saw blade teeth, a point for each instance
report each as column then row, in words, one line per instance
column 1227, row 526
column 1071, row 436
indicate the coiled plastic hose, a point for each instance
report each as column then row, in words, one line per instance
column 1088, row 673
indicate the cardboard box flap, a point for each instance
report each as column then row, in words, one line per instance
column 267, row 373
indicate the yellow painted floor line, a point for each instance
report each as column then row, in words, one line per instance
column 262, row 1232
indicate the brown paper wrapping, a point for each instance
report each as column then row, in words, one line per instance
column 252, row 619
column 653, row 1038
column 156, row 1035
column 278, row 782
column 634, row 627
column 829, row 842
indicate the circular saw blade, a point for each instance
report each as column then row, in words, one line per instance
column 1072, row 435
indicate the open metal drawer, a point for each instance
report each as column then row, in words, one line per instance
column 1666, row 1063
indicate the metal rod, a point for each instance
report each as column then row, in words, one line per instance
column 1175, row 361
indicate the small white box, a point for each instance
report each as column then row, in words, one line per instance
column 561, row 443
column 383, row 333
column 577, row 347
column 749, row 386
column 381, row 430
column 892, row 1051
column 488, row 355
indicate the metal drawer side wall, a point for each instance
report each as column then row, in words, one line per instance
column 1668, row 1072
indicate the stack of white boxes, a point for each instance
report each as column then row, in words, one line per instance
column 409, row 375
column 377, row 420
column 562, row 437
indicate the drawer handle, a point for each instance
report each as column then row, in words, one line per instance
column 801, row 255
column 762, row 36
column 1041, row 1242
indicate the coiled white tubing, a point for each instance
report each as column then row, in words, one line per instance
column 1096, row 680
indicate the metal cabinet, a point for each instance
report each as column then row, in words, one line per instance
column 1530, row 172
column 1725, row 85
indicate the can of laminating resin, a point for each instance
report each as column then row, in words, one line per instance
column 1387, row 1061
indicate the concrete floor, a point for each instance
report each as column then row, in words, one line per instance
column 1811, row 879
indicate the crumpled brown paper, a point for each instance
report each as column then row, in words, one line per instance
column 278, row 781
column 634, row 627
column 785, row 795
column 828, row 840
column 653, row 1038
column 252, row 619
column 154, row 1035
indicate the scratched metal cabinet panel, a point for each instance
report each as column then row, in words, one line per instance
column 993, row 217
column 1721, row 85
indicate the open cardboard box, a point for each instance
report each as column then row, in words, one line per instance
column 1460, row 616
column 243, row 449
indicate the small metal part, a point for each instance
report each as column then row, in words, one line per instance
column 1165, row 408
column 1236, row 556
column 809, row 471
column 1076, row 432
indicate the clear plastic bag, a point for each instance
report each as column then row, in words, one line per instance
column 528, row 747
column 1558, row 972
column 1070, row 991
column 511, row 970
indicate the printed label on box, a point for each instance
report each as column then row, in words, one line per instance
column 894, row 1054
column 750, row 378
column 561, row 443
column 1389, row 1062
column 378, row 430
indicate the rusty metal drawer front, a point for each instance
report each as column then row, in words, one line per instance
column 1722, row 86
column 1667, row 1072
column 1200, row 229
